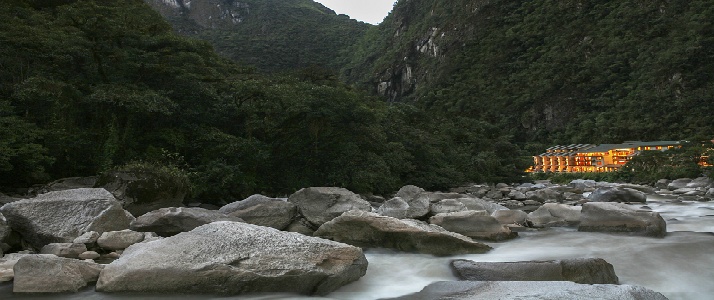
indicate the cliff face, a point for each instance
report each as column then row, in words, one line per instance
column 576, row 70
column 272, row 35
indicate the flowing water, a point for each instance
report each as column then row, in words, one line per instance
column 680, row 266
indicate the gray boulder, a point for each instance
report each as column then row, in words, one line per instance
column 582, row 270
column 480, row 204
column 365, row 229
column 678, row 183
column 447, row 206
column 119, row 240
column 395, row 208
column 5, row 199
column 67, row 250
column 60, row 217
column 583, row 184
column 87, row 238
column 52, row 274
column 474, row 224
column 264, row 211
column 234, row 258
column 319, row 205
column 617, row 194
column 545, row 195
column 618, row 217
column 701, row 182
column 173, row 220
column 143, row 190
column 662, row 184
column 417, row 200
column 555, row 215
column 530, row 290
column 508, row 217
column 4, row 228
column 7, row 263
column 63, row 184
column 409, row 192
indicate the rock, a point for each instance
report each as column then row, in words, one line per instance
column 89, row 255
column 618, row 217
column 583, row 184
column 617, row 194
column 67, row 250
column 173, row 220
column 517, row 195
column 480, row 204
column 7, row 263
column 60, row 217
column 63, row 184
column 322, row 204
column 474, row 224
column 530, row 290
column 545, row 194
column 143, row 190
column 447, row 206
column 678, row 183
column 119, row 240
column 5, row 199
column 555, row 215
column 234, row 258
column 701, row 182
column 52, row 274
column 418, row 202
column 662, row 183
column 365, row 229
column 301, row 226
column 513, row 204
column 409, row 192
column 395, row 208
column 263, row 211
column 87, row 238
column 4, row 228
column 510, row 216
column 642, row 188
column 581, row 270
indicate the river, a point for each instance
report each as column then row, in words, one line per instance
column 680, row 266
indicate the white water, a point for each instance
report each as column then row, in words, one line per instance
column 680, row 266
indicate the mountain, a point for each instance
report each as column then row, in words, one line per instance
column 552, row 71
column 272, row 35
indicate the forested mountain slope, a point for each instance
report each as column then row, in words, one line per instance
column 87, row 86
column 272, row 35
column 552, row 71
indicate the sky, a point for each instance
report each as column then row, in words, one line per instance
column 369, row 11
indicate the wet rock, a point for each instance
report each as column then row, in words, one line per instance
column 530, row 290
column 52, row 274
column 365, row 229
column 263, row 211
column 68, row 250
column 474, row 224
column 234, row 258
column 119, row 240
column 555, row 215
column 447, row 206
column 582, row 270
column 618, row 217
column 322, row 204
column 60, row 217
column 617, row 194
column 173, row 220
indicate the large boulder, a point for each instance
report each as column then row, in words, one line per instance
column 4, row 228
column 264, row 211
column 370, row 230
column 417, row 200
column 234, row 258
column 619, row 217
column 67, row 250
column 477, row 224
column 679, row 183
column 395, row 208
column 617, row 194
column 551, row 194
column 7, row 265
column 582, row 270
column 472, row 203
column 142, row 190
column 555, row 215
column 701, row 182
column 530, row 290
column 51, row 274
column 447, row 206
column 173, row 220
column 60, row 217
column 507, row 217
column 319, row 205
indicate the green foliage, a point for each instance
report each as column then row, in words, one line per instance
column 650, row 166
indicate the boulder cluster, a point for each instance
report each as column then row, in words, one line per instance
column 311, row 241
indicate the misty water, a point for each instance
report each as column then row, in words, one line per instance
column 680, row 266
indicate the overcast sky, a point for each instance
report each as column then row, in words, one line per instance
column 370, row 11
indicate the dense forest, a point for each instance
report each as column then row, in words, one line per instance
column 271, row 35
column 550, row 72
column 88, row 86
